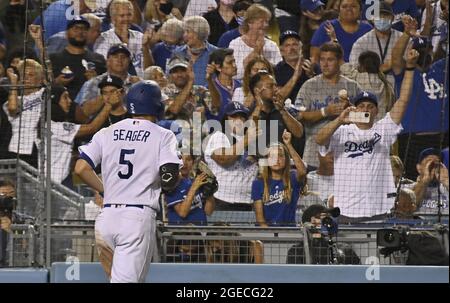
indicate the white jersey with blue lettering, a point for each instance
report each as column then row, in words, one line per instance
column 131, row 152
column 363, row 179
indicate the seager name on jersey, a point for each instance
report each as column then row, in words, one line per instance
column 131, row 135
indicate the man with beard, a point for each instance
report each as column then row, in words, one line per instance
column 83, row 63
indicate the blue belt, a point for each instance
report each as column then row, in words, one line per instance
column 124, row 205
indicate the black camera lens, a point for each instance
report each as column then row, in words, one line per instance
column 366, row 115
column 389, row 237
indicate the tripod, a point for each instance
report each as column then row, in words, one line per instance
column 333, row 251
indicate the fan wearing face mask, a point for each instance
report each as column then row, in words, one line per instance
column 381, row 39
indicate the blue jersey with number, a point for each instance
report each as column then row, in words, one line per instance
column 131, row 152
column 197, row 215
column 423, row 113
column 278, row 211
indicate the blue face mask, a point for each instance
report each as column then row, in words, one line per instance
column 383, row 25
column 240, row 20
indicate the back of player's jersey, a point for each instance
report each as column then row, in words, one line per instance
column 131, row 152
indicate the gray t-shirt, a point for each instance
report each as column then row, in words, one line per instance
column 313, row 95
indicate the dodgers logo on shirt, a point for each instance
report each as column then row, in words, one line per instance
column 433, row 204
column 68, row 127
column 434, row 89
column 358, row 150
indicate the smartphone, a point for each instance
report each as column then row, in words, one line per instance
column 359, row 117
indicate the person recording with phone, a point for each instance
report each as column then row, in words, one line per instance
column 364, row 186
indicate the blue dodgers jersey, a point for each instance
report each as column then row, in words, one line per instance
column 197, row 215
column 346, row 40
column 225, row 96
column 423, row 113
column 277, row 212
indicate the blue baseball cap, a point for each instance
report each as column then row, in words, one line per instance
column 365, row 96
column 77, row 20
column 310, row 5
column 235, row 107
column 289, row 34
column 428, row 152
column 119, row 48
column 420, row 42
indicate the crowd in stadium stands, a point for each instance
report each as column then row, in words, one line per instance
column 262, row 92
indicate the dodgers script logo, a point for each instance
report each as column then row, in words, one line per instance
column 358, row 150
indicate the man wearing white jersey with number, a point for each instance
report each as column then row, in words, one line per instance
column 363, row 184
column 138, row 159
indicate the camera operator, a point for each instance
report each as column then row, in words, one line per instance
column 318, row 245
column 8, row 215
column 432, row 183
column 7, row 193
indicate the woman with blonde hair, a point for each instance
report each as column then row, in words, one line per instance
column 276, row 192
column 253, row 42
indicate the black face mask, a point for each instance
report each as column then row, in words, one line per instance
column 166, row 8
column 77, row 43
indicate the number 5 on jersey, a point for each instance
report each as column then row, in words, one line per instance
column 123, row 161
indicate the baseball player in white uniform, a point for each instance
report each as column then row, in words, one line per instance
column 138, row 159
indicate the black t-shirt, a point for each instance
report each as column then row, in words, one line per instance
column 284, row 73
column 275, row 115
column 114, row 119
column 74, row 62
column 218, row 25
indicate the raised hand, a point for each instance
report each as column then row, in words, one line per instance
column 62, row 80
column 13, row 78
column 429, row 172
column 200, row 180
column 278, row 101
column 259, row 46
column 443, row 174
column 330, row 31
column 147, row 37
column 287, row 137
column 35, row 32
column 210, row 70
column 410, row 26
column 343, row 117
column 335, row 109
column 307, row 66
column 115, row 98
